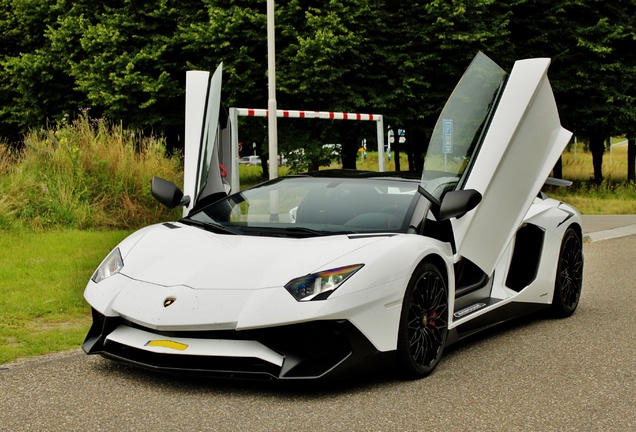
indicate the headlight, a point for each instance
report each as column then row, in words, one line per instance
column 111, row 265
column 319, row 286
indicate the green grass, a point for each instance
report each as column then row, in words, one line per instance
column 42, row 278
column 577, row 165
column 613, row 196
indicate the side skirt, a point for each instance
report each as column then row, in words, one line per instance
column 498, row 316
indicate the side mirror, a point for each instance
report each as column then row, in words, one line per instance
column 456, row 204
column 168, row 193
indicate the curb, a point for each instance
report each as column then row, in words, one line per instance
column 610, row 234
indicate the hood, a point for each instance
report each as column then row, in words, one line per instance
column 177, row 254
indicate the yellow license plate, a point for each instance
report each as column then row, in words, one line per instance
column 167, row 344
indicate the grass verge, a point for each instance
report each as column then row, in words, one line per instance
column 86, row 175
column 42, row 278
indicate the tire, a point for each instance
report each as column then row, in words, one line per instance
column 569, row 277
column 423, row 322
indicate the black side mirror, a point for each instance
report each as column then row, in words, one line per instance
column 456, row 204
column 168, row 193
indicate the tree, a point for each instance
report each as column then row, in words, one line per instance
column 367, row 55
column 232, row 32
column 127, row 59
column 33, row 86
column 122, row 59
column 421, row 52
column 320, row 64
column 623, row 47
column 22, row 25
column 591, row 44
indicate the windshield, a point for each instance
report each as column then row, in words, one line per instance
column 459, row 129
column 309, row 206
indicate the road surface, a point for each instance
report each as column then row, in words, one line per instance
column 577, row 374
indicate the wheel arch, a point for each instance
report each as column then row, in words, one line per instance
column 438, row 261
column 568, row 279
column 424, row 319
column 577, row 228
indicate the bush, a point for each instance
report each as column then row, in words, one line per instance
column 7, row 162
column 84, row 175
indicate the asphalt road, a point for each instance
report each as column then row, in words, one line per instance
column 576, row 374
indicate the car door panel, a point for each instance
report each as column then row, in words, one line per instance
column 202, row 176
column 523, row 143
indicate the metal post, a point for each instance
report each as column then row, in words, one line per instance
column 271, row 84
column 380, row 133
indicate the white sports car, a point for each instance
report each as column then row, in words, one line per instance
column 318, row 275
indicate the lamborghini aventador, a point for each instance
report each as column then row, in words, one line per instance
column 318, row 275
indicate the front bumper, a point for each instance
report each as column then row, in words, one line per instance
column 318, row 349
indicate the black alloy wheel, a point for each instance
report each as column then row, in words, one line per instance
column 423, row 322
column 569, row 277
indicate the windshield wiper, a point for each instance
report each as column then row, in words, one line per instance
column 210, row 226
column 306, row 230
